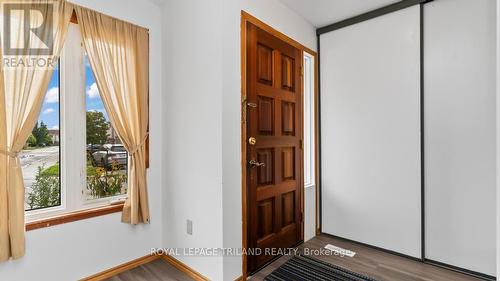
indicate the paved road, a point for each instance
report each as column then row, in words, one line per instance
column 32, row 159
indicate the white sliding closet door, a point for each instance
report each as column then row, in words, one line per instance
column 370, row 128
column 459, row 47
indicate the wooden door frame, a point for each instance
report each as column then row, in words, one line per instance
column 247, row 18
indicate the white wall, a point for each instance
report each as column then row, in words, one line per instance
column 202, row 115
column 370, row 101
column 193, row 132
column 498, row 139
column 283, row 19
column 231, row 136
column 79, row 249
column 459, row 47
column 309, row 212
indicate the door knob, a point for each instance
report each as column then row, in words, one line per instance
column 254, row 164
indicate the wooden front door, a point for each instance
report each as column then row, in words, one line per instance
column 273, row 145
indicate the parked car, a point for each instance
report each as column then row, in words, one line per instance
column 109, row 154
column 91, row 148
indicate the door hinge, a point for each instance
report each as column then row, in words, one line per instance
column 301, row 71
column 301, row 144
column 301, row 216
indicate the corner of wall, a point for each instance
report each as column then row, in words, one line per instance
column 498, row 134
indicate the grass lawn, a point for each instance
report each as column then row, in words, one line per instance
column 32, row 147
column 52, row 170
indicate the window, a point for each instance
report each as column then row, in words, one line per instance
column 309, row 121
column 40, row 158
column 74, row 159
column 107, row 158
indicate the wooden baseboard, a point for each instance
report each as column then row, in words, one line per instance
column 143, row 260
column 120, row 268
column 184, row 268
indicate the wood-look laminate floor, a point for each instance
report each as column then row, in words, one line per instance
column 158, row 270
column 368, row 261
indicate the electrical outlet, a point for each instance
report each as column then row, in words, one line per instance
column 189, row 227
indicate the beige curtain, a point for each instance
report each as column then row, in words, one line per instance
column 118, row 54
column 22, row 91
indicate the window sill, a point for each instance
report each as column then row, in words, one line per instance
column 74, row 216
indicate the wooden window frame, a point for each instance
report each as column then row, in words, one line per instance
column 73, row 216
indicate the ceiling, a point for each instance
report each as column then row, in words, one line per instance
column 323, row 12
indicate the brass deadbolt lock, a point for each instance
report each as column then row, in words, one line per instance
column 252, row 141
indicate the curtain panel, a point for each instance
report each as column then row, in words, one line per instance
column 22, row 91
column 119, row 57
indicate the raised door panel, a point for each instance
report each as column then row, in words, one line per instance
column 287, row 118
column 265, row 217
column 288, row 163
column 264, row 64
column 265, row 174
column 265, row 109
column 287, row 73
column 288, row 208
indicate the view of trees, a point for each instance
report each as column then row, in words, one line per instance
column 97, row 127
column 97, row 131
column 102, row 181
column 40, row 136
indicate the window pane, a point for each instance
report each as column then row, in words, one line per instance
column 107, row 159
column 40, row 158
column 309, row 157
